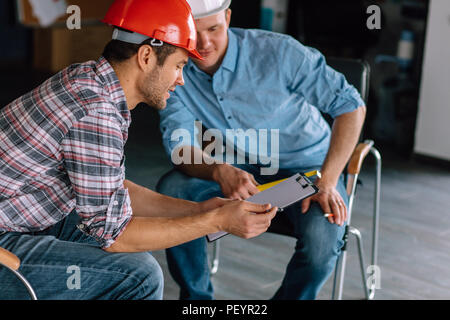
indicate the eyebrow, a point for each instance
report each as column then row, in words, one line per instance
column 214, row 26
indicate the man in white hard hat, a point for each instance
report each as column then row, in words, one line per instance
column 254, row 79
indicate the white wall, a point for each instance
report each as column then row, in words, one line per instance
column 433, row 122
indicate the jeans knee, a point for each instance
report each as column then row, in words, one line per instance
column 320, row 247
column 144, row 278
column 153, row 279
column 170, row 185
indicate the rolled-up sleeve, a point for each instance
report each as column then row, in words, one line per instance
column 177, row 125
column 93, row 157
column 319, row 84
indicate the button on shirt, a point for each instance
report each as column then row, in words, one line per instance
column 266, row 81
column 62, row 148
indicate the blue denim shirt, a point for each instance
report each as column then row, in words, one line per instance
column 266, row 81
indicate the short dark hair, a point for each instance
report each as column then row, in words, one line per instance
column 117, row 51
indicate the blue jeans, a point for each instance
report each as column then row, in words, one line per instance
column 318, row 244
column 62, row 263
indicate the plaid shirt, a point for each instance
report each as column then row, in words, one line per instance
column 62, row 148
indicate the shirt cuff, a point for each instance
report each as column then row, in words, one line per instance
column 106, row 226
column 345, row 102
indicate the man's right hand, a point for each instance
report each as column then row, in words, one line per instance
column 235, row 183
column 245, row 219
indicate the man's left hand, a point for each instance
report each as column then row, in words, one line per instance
column 330, row 201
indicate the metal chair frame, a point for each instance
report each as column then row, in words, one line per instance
column 12, row 263
column 338, row 283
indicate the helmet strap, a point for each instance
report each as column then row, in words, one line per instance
column 133, row 37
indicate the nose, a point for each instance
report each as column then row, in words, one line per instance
column 180, row 79
column 203, row 41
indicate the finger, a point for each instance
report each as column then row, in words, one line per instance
column 272, row 213
column 344, row 209
column 220, row 202
column 335, row 208
column 325, row 205
column 243, row 192
column 236, row 196
column 252, row 189
column 263, row 220
column 257, row 208
column 253, row 180
column 305, row 205
column 346, row 212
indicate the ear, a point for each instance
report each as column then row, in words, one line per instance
column 228, row 16
column 146, row 57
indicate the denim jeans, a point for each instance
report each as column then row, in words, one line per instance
column 62, row 263
column 318, row 243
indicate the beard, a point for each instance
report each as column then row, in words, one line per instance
column 153, row 90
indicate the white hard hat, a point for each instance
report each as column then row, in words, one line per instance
column 205, row 8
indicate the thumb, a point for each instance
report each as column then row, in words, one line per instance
column 305, row 205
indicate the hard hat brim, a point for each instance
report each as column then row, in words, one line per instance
column 195, row 54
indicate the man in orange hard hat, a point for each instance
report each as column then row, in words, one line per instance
column 81, row 230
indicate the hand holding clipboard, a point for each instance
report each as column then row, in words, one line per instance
column 279, row 194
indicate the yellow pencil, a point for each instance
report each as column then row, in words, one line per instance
column 271, row 184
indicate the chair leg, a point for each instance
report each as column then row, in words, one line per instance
column 24, row 281
column 357, row 234
column 215, row 263
column 376, row 214
column 338, row 282
column 341, row 261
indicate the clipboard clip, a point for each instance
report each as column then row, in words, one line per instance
column 303, row 181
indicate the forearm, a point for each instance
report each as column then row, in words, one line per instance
column 206, row 170
column 345, row 134
column 157, row 233
column 148, row 203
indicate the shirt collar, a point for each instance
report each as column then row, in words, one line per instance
column 230, row 60
column 111, row 84
column 106, row 74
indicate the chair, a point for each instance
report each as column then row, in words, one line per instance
column 357, row 73
column 11, row 262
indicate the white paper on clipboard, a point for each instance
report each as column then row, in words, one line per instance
column 282, row 195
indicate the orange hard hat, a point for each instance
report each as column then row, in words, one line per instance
column 169, row 21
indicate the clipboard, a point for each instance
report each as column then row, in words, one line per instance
column 281, row 194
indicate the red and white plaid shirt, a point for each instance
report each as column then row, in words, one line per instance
column 62, row 148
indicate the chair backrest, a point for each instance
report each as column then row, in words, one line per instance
column 357, row 73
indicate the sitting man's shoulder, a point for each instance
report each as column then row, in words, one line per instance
column 273, row 43
column 262, row 36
